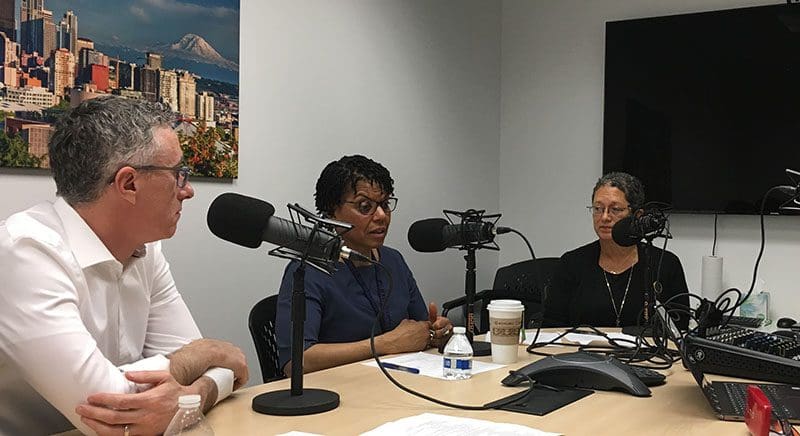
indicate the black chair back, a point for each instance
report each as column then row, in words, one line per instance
column 262, row 327
column 519, row 281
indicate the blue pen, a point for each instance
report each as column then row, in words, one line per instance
column 400, row 367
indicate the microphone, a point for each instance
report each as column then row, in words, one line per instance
column 631, row 229
column 436, row 234
column 248, row 221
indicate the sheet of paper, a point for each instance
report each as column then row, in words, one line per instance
column 298, row 433
column 430, row 364
column 431, row 424
column 573, row 338
column 543, row 337
column 587, row 339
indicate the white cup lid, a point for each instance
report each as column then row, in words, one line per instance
column 506, row 305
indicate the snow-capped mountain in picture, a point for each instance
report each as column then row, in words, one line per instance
column 194, row 48
column 192, row 52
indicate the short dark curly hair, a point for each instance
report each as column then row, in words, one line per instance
column 630, row 185
column 342, row 175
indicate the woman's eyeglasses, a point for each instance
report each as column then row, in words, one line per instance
column 367, row 206
column 614, row 211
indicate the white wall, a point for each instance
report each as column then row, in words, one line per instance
column 417, row 86
column 551, row 144
column 412, row 84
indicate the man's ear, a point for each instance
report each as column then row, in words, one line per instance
column 638, row 213
column 124, row 184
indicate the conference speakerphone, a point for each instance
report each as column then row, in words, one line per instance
column 582, row 370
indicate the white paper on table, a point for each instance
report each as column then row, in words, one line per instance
column 431, row 424
column 574, row 338
column 544, row 337
column 298, row 433
column 430, row 364
column 589, row 339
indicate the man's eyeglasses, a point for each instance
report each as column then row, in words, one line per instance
column 614, row 211
column 367, row 206
column 181, row 172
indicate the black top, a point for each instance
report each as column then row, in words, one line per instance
column 579, row 294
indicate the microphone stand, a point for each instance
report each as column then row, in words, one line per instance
column 649, row 299
column 297, row 400
column 479, row 348
column 653, row 288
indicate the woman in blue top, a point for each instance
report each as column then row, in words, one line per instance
column 341, row 308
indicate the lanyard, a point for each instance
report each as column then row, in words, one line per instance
column 385, row 320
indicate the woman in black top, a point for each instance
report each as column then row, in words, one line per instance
column 602, row 284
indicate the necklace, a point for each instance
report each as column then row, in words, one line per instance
column 618, row 267
column 624, row 296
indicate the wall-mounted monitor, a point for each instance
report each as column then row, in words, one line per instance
column 705, row 107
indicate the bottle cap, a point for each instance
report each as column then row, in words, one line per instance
column 459, row 330
column 189, row 400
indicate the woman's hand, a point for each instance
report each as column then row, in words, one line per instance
column 408, row 336
column 441, row 327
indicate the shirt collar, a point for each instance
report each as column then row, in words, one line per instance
column 86, row 246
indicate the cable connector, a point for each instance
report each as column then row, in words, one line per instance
column 707, row 315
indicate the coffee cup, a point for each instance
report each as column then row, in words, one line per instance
column 505, row 322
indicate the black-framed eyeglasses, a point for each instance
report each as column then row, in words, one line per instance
column 367, row 206
column 614, row 211
column 181, row 172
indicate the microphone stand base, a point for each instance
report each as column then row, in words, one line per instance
column 283, row 403
column 480, row 348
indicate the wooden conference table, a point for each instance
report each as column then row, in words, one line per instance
column 368, row 400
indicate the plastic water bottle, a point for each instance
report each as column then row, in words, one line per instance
column 458, row 356
column 189, row 420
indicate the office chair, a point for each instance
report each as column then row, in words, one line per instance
column 262, row 327
column 517, row 282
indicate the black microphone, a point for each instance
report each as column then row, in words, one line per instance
column 436, row 234
column 630, row 230
column 248, row 221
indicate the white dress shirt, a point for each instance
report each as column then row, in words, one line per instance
column 71, row 315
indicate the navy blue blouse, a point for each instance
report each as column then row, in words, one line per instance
column 342, row 307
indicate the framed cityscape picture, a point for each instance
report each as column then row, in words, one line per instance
column 181, row 53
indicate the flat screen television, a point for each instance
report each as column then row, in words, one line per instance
column 705, row 108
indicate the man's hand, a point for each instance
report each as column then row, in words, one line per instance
column 192, row 360
column 144, row 413
column 441, row 327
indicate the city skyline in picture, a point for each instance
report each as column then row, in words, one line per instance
column 130, row 28
column 180, row 53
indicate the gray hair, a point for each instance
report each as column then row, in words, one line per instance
column 95, row 139
column 631, row 186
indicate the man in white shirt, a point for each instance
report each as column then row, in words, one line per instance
column 93, row 332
